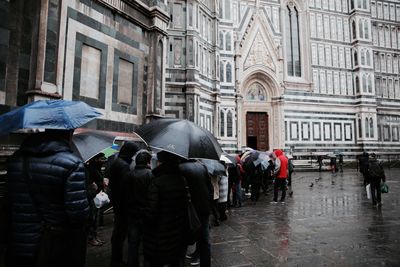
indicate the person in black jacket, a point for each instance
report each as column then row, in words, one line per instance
column 138, row 182
column 376, row 174
column 95, row 182
column 164, row 239
column 48, row 203
column 119, row 169
column 202, row 197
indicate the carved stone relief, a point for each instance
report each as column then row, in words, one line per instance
column 259, row 55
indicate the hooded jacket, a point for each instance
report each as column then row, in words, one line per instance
column 55, row 196
column 119, row 169
column 281, row 165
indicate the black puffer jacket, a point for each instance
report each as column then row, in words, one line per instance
column 57, row 186
column 164, row 239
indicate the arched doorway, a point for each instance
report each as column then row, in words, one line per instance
column 260, row 111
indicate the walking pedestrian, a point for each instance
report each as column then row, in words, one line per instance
column 119, row 170
column 376, row 174
column 202, row 196
column 341, row 163
column 319, row 160
column 280, row 173
column 137, row 184
column 48, row 203
column 164, row 239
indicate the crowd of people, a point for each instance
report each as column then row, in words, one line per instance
column 53, row 215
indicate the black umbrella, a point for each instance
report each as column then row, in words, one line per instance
column 214, row 167
column 180, row 137
column 91, row 143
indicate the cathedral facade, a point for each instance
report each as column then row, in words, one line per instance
column 310, row 76
column 307, row 76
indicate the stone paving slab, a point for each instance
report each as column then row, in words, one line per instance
column 331, row 223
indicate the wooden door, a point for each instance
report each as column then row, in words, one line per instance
column 257, row 130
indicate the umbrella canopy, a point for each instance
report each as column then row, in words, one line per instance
column 180, row 137
column 228, row 159
column 89, row 144
column 214, row 167
column 48, row 114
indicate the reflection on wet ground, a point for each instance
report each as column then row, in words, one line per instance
column 331, row 223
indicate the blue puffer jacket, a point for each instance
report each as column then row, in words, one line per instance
column 57, row 186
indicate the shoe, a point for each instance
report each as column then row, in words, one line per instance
column 192, row 255
column 100, row 241
column 95, row 243
column 379, row 204
column 195, row 261
column 274, row 202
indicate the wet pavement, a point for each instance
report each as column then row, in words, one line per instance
column 330, row 223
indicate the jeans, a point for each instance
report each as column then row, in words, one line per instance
column 280, row 183
column 135, row 235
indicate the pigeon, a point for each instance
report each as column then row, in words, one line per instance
column 312, row 184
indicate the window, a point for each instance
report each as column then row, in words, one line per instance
column 357, row 84
column 368, row 56
column 229, row 128
column 222, row 123
column 360, row 29
column 366, row 128
column 366, row 30
column 359, row 128
column 228, row 72
column 222, row 71
column 353, row 29
column 369, row 84
column 363, row 57
column 221, row 40
column 293, row 42
column 371, row 128
column 355, row 58
column 364, row 83
column 228, row 42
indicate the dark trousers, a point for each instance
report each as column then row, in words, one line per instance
column 290, row 178
column 135, row 236
column 230, row 185
column 214, row 210
column 221, row 211
column 119, row 234
column 279, row 184
column 255, row 191
column 93, row 216
column 203, row 246
column 376, row 192
column 62, row 247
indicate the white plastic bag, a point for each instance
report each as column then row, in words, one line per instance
column 101, row 199
column 368, row 189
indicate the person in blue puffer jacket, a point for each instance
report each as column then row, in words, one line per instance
column 48, row 203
